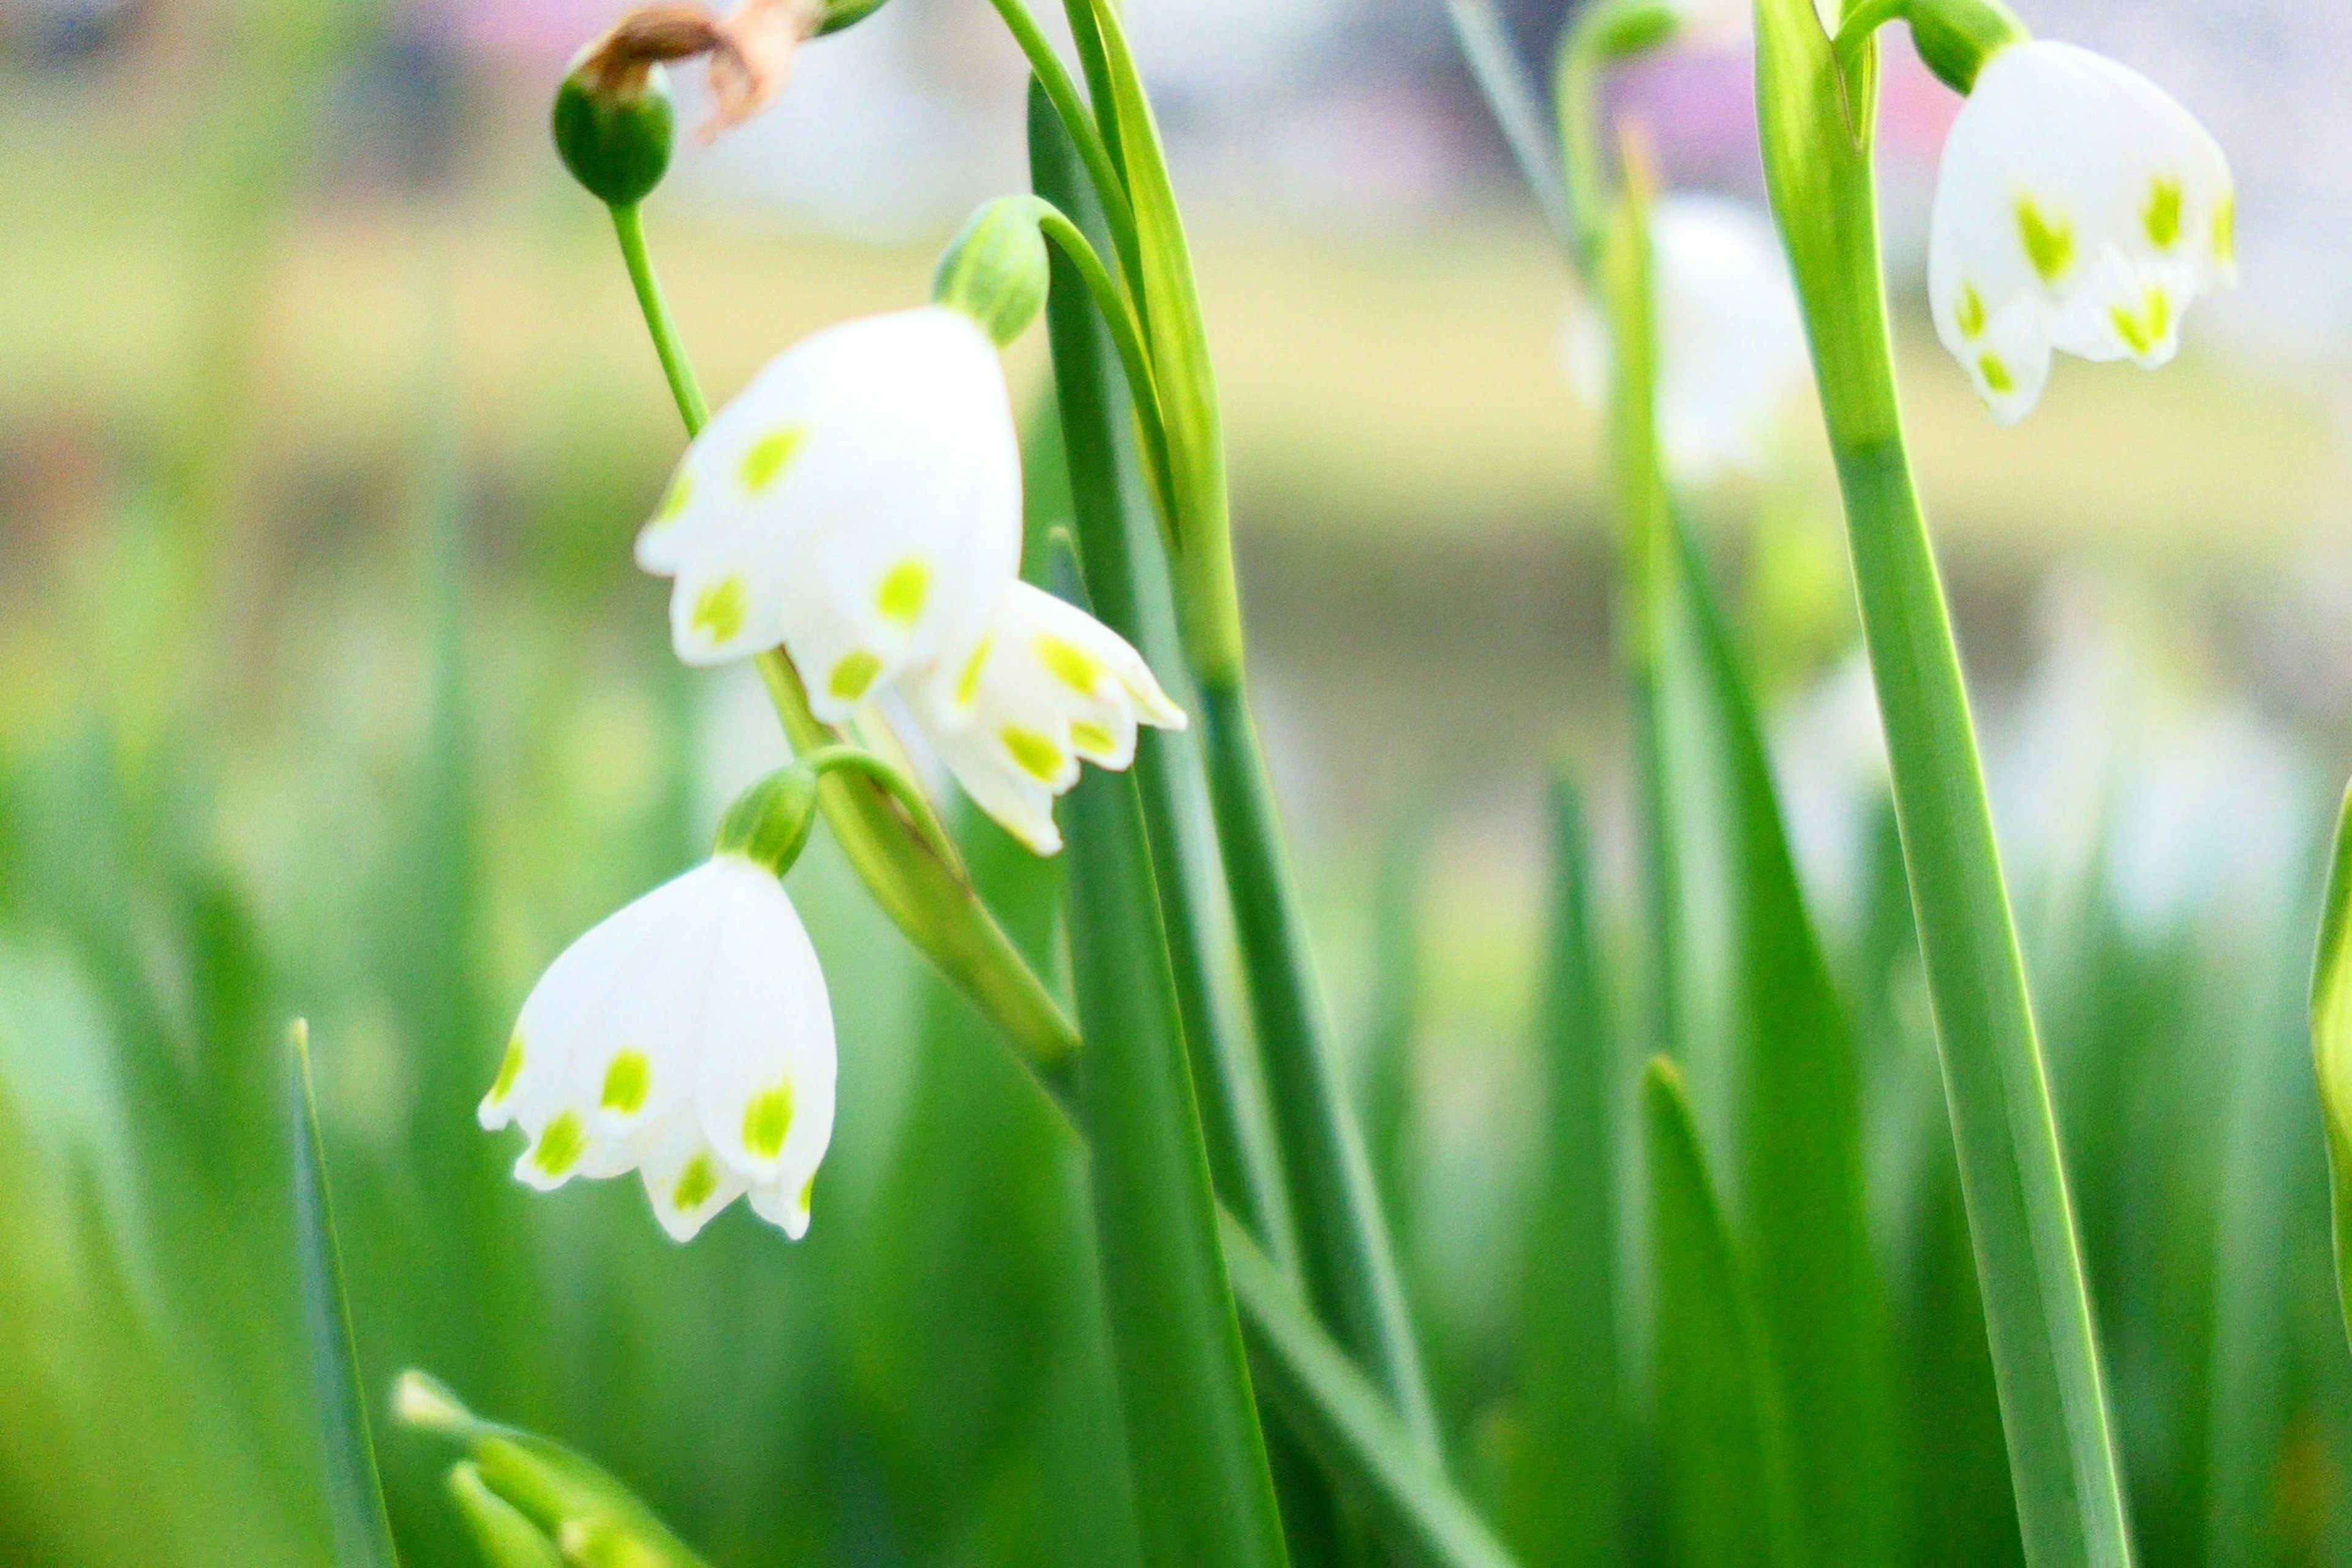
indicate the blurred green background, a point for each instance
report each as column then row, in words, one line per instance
column 326, row 688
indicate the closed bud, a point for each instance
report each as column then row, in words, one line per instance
column 614, row 128
column 995, row 270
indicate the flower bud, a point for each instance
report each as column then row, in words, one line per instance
column 612, row 128
column 995, row 270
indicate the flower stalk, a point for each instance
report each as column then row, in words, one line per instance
column 1816, row 123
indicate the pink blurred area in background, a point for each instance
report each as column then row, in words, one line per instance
column 528, row 31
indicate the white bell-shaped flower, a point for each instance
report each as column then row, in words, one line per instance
column 688, row 1037
column 2078, row 208
column 859, row 503
column 1732, row 358
column 1048, row 687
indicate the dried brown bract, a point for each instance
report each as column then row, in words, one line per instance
column 750, row 52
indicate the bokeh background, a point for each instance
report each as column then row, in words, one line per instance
column 327, row 686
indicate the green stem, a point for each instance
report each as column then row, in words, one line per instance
column 631, row 229
column 1126, row 334
column 2037, row 1307
column 1351, row 1265
column 1102, row 170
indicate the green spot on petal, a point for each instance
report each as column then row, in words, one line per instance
column 695, row 1184
column 560, row 1145
column 1971, row 315
column 2049, row 246
column 1089, row 740
column 902, row 593
column 968, row 684
column 681, row 490
column 766, row 1121
column 1071, row 664
column 2162, row 218
column 768, row 456
column 808, row 1190
column 627, row 1081
column 1997, row 378
column 853, row 675
column 2142, row 331
column 719, row 609
column 2225, row 230
column 1037, row 756
column 510, row 1069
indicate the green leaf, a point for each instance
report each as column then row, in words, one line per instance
column 1563, row 1486
column 2331, row 1044
column 362, row 1532
column 1723, row 1446
column 1516, row 105
column 1126, row 573
column 1203, row 1492
column 1171, row 308
column 1352, row 1428
column 1745, row 988
column 1814, row 125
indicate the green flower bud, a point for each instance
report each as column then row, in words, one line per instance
column 614, row 127
column 995, row 270
column 768, row 823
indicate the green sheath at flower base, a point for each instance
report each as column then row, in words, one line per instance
column 615, row 135
column 1954, row 37
column 768, row 823
column 995, row 271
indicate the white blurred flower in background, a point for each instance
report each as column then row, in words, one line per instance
column 1732, row 365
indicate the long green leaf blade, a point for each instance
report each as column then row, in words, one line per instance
column 362, row 1532
column 1350, row 1427
column 1566, row 1506
column 1203, row 1492
column 1815, row 128
column 2331, row 1044
column 1724, row 1449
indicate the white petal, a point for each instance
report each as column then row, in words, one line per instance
column 860, row 504
column 2078, row 208
column 764, row 1094
column 1051, row 685
column 686, row 1180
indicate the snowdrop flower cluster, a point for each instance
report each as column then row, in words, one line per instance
column 2080, row 208
column 860, row 505
column 1732, row 357
column 688, row 1037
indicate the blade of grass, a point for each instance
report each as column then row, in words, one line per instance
column 1203, row 1491
column 1724, row 1448
column 1566, row 1506
column 2331, row 1044
column 1517, row 104
column 1351, row 1427
column 1770, row 1047
column 1815, row 126
column 363, row 1531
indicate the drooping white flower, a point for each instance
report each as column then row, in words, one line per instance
column 1732, row 358
column 1048, row 687
column 2079, row 207
column 688, row 1037
column 859, row 503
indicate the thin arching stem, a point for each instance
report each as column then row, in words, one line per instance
column 1127, row 335
column 667, row 342
column 1119, row 211
column 882, row 770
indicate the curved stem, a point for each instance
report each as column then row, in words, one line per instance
column 667, row 342
column 856, row 758
column 1127, row 336
column 1576, row 87
column 1119, row 211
